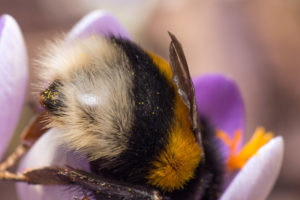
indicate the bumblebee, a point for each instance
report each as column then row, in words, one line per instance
column 134, row 116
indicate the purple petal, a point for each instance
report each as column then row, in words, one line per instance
column 220, row 103
column 48, row 152
column 2, row 23
column 13, row 81
column 98, row 22
column 257, row 177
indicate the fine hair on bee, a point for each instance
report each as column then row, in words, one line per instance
column 132, row 114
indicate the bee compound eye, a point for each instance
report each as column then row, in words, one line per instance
column 51, row 98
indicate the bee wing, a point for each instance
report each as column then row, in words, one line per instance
column 183, row 81
column 100, row 187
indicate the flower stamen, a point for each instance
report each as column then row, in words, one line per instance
column 237, row 159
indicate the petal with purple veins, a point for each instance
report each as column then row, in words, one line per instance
column 257, row 177
column 13, row 81
column 220, row 104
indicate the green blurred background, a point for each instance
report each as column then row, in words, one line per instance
column 256, row 42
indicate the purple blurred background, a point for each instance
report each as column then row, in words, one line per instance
column 256, row 42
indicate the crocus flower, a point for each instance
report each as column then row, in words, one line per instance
column 219, row 102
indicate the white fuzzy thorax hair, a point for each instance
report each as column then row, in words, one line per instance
column 96, row 84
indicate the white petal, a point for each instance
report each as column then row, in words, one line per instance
column 47, row 152
column 257, row 177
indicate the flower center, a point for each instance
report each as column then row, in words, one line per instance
column 237, row 159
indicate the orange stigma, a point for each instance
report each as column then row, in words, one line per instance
column 237, row 159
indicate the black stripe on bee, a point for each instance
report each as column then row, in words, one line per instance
column 154, row 100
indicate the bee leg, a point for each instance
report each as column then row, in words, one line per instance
column 100, row 187
column 8, row 176
column 33, row 131
column 14, row 157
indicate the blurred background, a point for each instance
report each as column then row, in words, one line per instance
column 256, row 42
